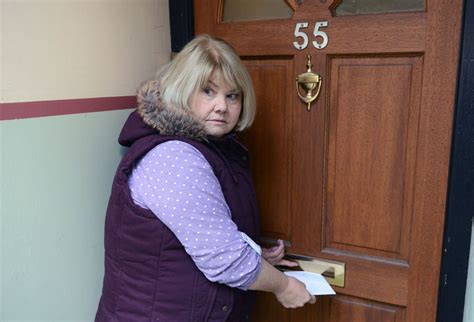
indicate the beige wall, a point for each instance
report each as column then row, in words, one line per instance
column 56, row 172
column 64, row 49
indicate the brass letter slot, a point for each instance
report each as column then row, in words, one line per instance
column 333, row 271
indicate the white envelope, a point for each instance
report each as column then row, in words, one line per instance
column 316, row 284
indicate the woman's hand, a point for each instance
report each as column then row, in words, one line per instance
column 294, row 294
column 274, row 255
column 289, row 291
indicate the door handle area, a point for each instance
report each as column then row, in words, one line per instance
column 333, row 271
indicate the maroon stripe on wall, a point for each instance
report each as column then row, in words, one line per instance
column 22, row 110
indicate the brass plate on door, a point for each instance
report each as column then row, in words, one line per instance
column 334, row 272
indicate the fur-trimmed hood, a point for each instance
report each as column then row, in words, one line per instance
column 151, row 116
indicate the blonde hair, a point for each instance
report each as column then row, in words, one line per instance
column 192, row 68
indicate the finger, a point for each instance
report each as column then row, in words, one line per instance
column 285, row 262
column 279, row 252
column 312, row 300
column 278, row 258
column 272, row 259
column 281, row 244
column 275, row 250
column 266, row 253
column 268, row 256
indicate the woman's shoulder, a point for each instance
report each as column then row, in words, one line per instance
column 176, row 146
column 178, row 150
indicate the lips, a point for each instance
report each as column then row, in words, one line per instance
column 218, row 121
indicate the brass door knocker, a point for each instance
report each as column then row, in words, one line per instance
column 310, row 83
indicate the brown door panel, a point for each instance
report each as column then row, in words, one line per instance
column 362, row 177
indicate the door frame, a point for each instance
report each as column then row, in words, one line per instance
column 460, row 207
column 460, row 204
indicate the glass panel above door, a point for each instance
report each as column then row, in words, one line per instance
column 244, row 10
column 362, row 7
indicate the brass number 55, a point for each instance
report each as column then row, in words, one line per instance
column 317, row 34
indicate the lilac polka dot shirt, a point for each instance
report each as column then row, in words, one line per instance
column 177, row 184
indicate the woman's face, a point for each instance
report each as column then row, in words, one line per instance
column 217, row 106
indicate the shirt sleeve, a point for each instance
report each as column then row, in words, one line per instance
column 177, row 184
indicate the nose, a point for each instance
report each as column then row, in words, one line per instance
column 220, row 104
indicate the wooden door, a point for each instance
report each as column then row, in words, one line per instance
column 362, row 177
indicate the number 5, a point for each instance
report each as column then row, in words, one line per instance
column 301, row 34
column 318, row 33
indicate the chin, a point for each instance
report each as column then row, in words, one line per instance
column 216, row 135
column 217, row 132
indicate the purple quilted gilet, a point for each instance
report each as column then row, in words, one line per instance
column 148, row 275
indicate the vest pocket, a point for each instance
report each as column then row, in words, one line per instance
column 222, row 305
column 203, row 298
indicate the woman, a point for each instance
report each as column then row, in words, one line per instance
column 182, row 215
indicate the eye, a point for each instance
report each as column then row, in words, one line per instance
column 208, row 91
column 233, row 96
